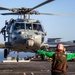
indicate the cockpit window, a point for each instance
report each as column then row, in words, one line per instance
column 29, row 26
column 19, row 26
column 37, row 27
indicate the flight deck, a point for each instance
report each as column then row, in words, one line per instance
column 31, row 68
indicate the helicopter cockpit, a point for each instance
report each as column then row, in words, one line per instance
column 28, row 26
column 37, row 27
column 18, row 26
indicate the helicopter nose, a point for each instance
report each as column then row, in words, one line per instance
column 30, row 42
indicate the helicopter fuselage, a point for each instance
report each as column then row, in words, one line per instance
column 25, row 35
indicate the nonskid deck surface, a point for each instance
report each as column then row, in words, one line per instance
column 31, row 68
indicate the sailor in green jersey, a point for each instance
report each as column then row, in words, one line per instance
column 70, row 56
column 59, row 63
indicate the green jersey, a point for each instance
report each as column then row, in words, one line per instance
column 70, row 56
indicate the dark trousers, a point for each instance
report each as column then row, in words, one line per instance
column 58, row 73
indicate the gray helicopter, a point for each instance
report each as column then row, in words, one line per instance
column 23, row 34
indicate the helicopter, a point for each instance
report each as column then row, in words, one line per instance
column 23, row 34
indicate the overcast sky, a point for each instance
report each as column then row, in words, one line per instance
column 55, row 26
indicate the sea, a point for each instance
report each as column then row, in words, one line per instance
column 14, row 54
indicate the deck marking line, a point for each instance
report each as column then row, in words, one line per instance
column 24, row 73
column 32, row 73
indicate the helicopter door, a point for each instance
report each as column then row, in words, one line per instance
column 10, row 33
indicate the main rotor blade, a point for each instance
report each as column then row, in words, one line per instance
column 41, row 4
column 10, row 9
column 11, row 13
column 40, row 13
column 3, row 8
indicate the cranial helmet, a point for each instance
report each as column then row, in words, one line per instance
column 60, row 47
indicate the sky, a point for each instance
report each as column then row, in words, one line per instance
column 55, row 26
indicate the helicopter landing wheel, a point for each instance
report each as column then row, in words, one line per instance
column 5, row 53
column 18, row 56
